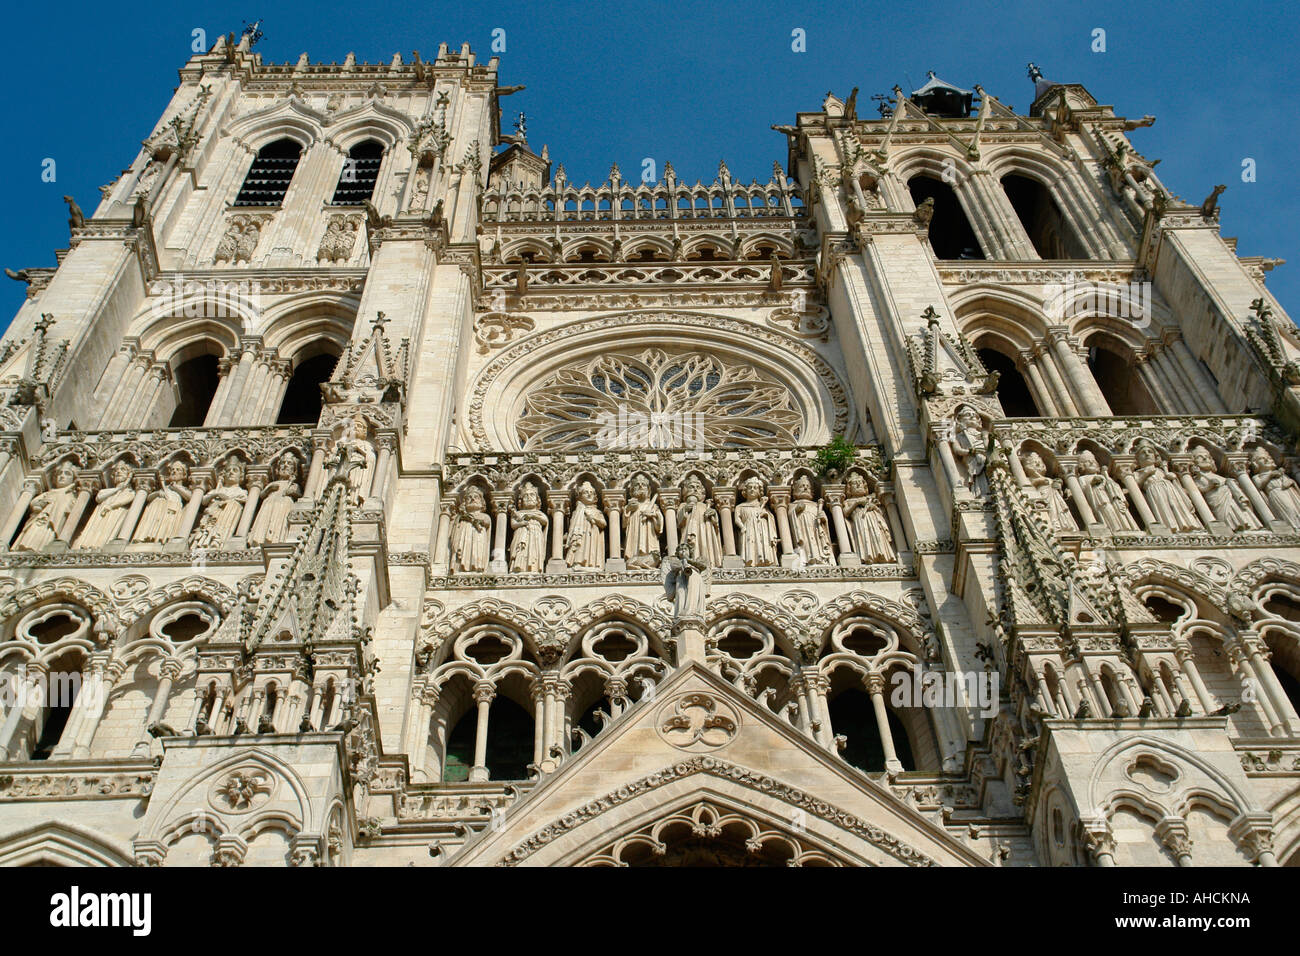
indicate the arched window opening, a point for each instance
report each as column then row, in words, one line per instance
column 1166, row 611
column 509, row 743
column 269, row 177
column 185, row 628
column 1283, row 606
column 61, row 688
column 1119, row 381
column 302, row 396
column 1052, row 236
column 1115, row 698
column 196, row 385
column 740, row 644
column 951, row 235
column 1286, row 665
column 1013, row 391
column 853, row 716
column 360, row 171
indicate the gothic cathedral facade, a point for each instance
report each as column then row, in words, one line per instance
column 374, row 494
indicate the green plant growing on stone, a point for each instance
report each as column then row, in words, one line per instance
column 834, row 458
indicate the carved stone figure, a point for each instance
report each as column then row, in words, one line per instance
column 1224, row 496
column 1167, row 501
column 111, row 505
column 756, row 527
column 808, row 523
column 247, row 243
column 222, row 506
column 340, row 236
column 1048, row 491
column 643, row 522
column 471, row 534
column 352, row 441
column 161, row 519
column 872, row 539
column 969, row 444
column 585, row 550
column 49, row 510
column 528, row 546
column 687, row 578
column 278, row 497
column 1104, row 494
column 1278, row 487
column 696, row 516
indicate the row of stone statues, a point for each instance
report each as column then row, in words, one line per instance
column 1192, row 501
column 179, row 510
column 759, row 530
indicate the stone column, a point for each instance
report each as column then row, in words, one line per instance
column 1070, row 469
column 833, row 495
column 1182, row 467
column 168, row 671
column 316, row 469
column 1186, row 658
column 538, row 696
column 383, row 464
column 86, row 488
column 224, row 366
column 1099, row 839
column 501, row 501
column 97, row 683
column 1172, row 832
column 442, row 539
column 876, row 688
column 31, row 488
column 144, row 483
column 668, row 500
column 1084, row 386
column 1259, row 655
column 724, row 501
column 256, row 482
column 1037, row 384
column 1252, row 679
column 779, row 496
column 1066, row 406
column 34, row 675
column 201, row 480
column 483, row 695
column 558, row 501
column 1240, row 468
column 1124, row 471
column 614, row 500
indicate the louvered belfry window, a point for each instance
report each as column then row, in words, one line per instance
column 269, row 177
column 360, row 170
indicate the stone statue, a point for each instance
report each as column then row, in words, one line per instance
column 687, row 578
column 165, row 508
column 223, row 506
column 585, row 550
column 111, row 506
column 528, row 546
column 1048, row 491
column 808, row 524
column 1278, row 487
column 278, row 497
column 471, row 534
column 1104, row 495
column 1224, row 496
column 756, row 527
column 76, row 218
column 643, row 522
column 352, row 441
column 246, row 244
column 872, row 539
column 969, row 444
column 49, row 510
column 696, row 517
column 1167, row 501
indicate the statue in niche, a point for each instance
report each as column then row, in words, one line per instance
column 49, row 510
column 1167, row 501
column 278, row 497
column 1048, row 491
column 471, row 534
column 969, row 443
column 1278, row 487
column 528, row 546
column 696, row 516
column 352, row 441
column 1224, row 496
column 586, row 541
column 1104, row 495
column 643, row 521
column 161, row 520
column 872, row 539
column 111, row 506
column 687, row 578
column 808, row 523
column 223, row 506
column 756, row 525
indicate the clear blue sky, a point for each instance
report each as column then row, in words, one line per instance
column 689, row 83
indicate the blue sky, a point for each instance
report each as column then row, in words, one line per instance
column 85, row 82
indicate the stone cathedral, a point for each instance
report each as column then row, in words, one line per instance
column 374, row 494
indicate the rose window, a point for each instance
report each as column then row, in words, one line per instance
column 657, row 399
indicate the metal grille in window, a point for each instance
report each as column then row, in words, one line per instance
column 269, row 177
column 360, row 170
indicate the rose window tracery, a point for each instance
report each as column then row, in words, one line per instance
column 658, row 399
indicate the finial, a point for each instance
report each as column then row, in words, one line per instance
column 252, row 32
column 1035, row 73
column 521, row 128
